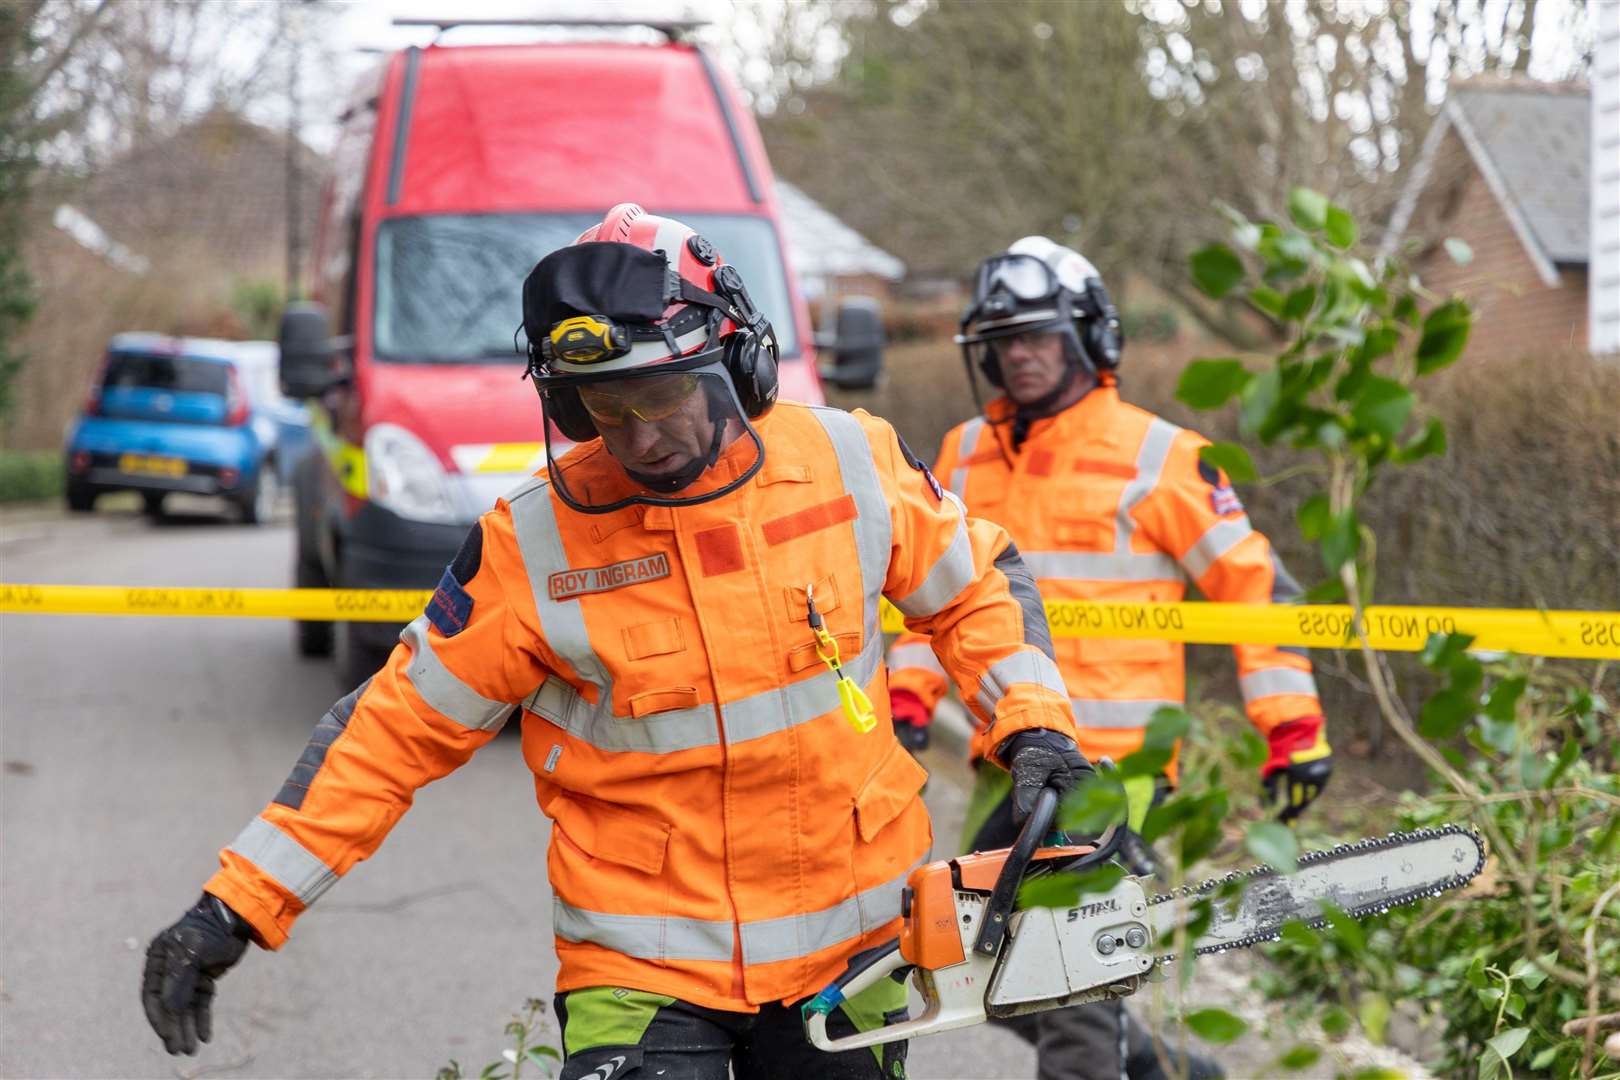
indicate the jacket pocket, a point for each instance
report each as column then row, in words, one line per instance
column 652, row 702
column 653, row 639
column 891, row 788
column 612, row 833
column 803, row 656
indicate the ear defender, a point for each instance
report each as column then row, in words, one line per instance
column 751, row 353
column 1101, row 334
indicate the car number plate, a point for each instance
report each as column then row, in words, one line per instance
column 147, row 465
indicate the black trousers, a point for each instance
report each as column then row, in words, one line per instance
column 681, row 1041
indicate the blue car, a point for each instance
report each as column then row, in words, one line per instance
column 185, row 414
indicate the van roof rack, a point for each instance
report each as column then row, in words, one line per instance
column 673, row 29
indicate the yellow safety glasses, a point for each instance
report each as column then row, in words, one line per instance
column 647, row 399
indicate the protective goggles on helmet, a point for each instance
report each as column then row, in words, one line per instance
column 1023, row 277
column 648, row 399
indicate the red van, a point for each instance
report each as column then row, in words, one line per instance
column 456, row 170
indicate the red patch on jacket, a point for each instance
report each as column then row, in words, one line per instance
column 720, row 550
column 810, row 519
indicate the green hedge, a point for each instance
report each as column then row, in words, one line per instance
column 30, row 475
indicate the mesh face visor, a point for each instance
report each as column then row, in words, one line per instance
column 671, row 435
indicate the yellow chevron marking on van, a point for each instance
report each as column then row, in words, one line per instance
column 1593, row 635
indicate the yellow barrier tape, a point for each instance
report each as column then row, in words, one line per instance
column 1591, row 635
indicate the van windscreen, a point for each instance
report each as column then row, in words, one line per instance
column 176, row 374
column 449, row 285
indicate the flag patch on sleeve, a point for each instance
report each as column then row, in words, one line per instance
column 1223, row 500
column 450, row 607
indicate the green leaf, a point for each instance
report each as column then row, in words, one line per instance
column 1268, row 300
column 1406, row 310
column 1330, row 591
column 1166, row 725
column 1215, row 1025
column 1440, row 651
column 1503, row 698
column 1373, row 1011
column 1065, row 890
column 1308, row 208
column 1208, row 384
column 1216, row 270
column 1341, row 541
column 1299, row 301
column 1526, row 972
column 1233, row 459
column 1249, row 750
column 1543, row 1059
column 1346, row 931
column 1460, row 252
column 1096, row 803
column 1273, row 843
column 1335, row 1022
column 1299, row 935
column 1514, row 1006
column 1147, row 761
column 1379, row 341
column 1382, row 406
column 1507, row 1043
column 1444, row 714
column 1341, row 227
column 1490, row 996
column 1475, row 975
column 1445, row 332
column 1199, row 836
column 1499, row 736
column 1431, row 442
column 1567, row 756
column 1259, row 397
column 1302, row 1056
column 1314, row 516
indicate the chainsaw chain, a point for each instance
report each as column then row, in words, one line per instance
column 1310, row 858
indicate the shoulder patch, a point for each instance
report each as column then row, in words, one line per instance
column 917, row 463
column 451, row 605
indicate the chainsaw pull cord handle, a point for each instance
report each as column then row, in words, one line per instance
column 996, row 913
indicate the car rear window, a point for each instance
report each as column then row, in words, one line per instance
column 179, row 374
column 449, row 285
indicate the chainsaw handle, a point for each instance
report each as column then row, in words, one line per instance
column 879, row 963
column 996, row 913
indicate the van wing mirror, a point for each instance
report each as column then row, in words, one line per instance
column 309, row 355
column 857, row 347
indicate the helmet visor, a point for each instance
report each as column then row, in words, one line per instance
column 670, row 439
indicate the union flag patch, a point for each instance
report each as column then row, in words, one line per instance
column 1223, row 500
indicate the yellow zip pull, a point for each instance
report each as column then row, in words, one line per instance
column 851, row 698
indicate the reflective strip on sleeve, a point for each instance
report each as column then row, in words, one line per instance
column 915, row 655
column 442, row 690
column 765, row 941
column 874, row 532
column 1217, row 540
column 1100, row 566
column 291, row 864
column 964, row 450
column 1150, row 459
column 647, row 937
column 1118, row 714
column 1024, row 666
column 1277, row 680
column 951, row 573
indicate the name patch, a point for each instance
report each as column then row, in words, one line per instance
column 593, row 579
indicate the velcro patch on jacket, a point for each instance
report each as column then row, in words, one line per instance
column 593, row 579
column 451, row 605
column 719, row 550
column 810, row 519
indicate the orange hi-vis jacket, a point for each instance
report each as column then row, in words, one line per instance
column 1108, row 502
column 721, row 833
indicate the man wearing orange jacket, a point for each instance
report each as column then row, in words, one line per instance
column 1106, row 502
column 683, row 610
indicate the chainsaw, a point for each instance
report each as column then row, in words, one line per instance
column 973, row 954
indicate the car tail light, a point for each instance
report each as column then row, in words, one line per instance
column 236, row 402
column 228, row 477
column 80, row 462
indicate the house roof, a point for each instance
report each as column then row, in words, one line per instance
column 823, row 246
column 1530, row 141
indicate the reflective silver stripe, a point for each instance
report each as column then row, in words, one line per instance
column 792, row 936
column 752, row 717
column 1100, row 566
column 442, row 690
column 916, row 654
column 648, row 937
column 778, row 710
column 874, row 532
column 1024, row 666
column 1150, row 458
column 1217, row 540
column 562, row 622
column 951, row 573
column 1117, row 714
column 291, row 864
column 964, row 450
column 1277, row 680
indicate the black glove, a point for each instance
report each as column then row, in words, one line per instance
column 177, row 985
column 1039, row 758
column 912, row 737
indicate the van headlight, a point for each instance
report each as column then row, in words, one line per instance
column 404, row 476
